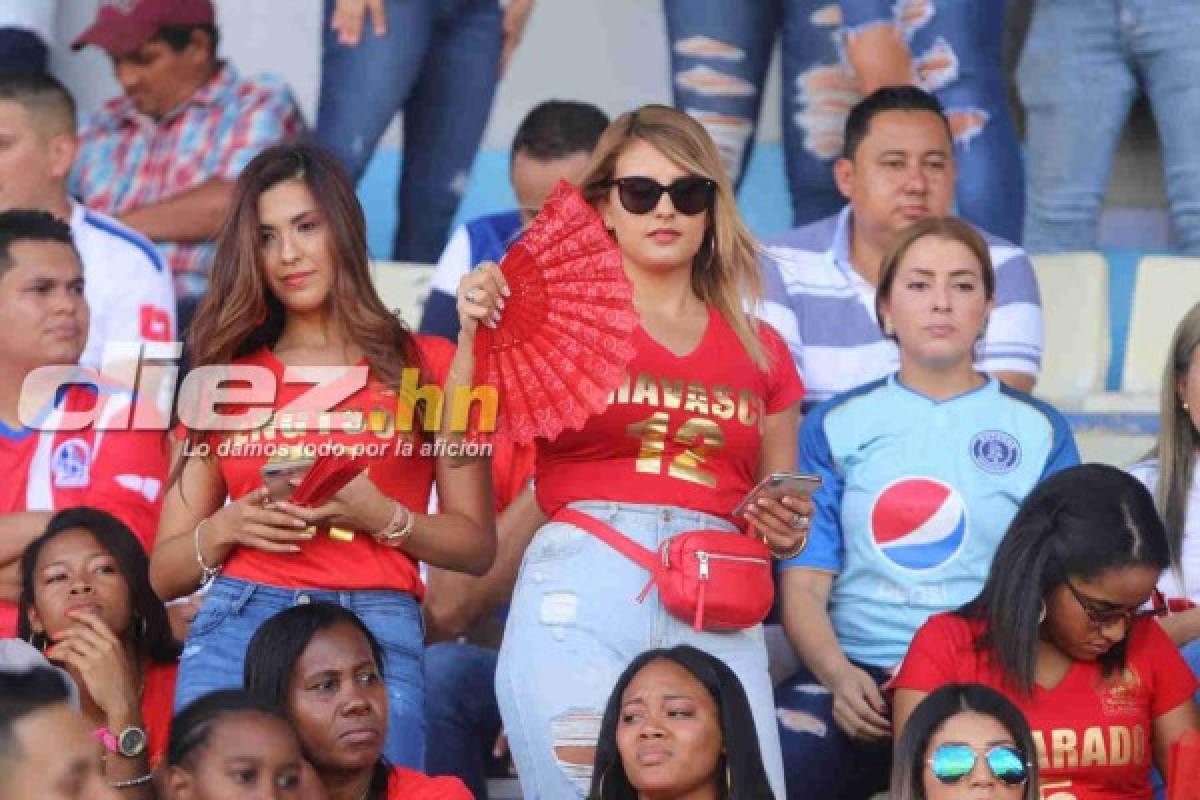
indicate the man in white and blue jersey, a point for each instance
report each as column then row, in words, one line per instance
column 554, row 142
column 126, row 282
column 897, row 167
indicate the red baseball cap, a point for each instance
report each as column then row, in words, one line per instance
column 122, row 26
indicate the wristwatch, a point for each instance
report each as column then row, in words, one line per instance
column 130, row 743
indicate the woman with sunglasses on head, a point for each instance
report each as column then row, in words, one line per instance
column 711, row 405
column 1170, row 474
column 678, row 725
column 965, row 742
column 86, row 600
column 921, row 472
column 322, row 668
column 293, row 306
column 1058, row 630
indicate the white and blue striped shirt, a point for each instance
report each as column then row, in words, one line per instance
column 825, row 311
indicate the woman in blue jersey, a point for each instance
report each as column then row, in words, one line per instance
column 922, row 472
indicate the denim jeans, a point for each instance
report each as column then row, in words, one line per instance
column 461, row 714
column 820, row 760
column 1078, row 95
column 719, row 54
column 573, row 627
column 233, row 609
column 438, row 63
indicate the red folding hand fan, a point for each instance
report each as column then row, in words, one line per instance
column 563, row 340
column 327, row 475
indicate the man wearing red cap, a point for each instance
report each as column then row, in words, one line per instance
column 162, row 158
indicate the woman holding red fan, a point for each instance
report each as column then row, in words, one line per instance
column 292, row 307
column 710, row 405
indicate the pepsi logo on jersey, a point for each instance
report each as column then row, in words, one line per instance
column 918, row 523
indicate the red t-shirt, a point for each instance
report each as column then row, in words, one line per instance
column 118, row 471
column 407, row 784
column 400, row 463
column 158, row 700
column 1093, row 735
column 684, row 430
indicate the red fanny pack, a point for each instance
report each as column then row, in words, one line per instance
column 715, row 580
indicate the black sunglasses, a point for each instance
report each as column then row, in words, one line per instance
column 689, row 195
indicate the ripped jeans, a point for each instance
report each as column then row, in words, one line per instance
column 573, row 627
column 822, row 761
column 719, row 56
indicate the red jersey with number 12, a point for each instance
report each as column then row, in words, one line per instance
column 684, row 430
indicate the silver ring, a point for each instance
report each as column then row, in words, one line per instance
column 799, row 522
column 472, row 295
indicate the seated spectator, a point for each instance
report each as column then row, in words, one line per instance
column 26, row 33
column 552, row 143
column 1057, row 630
column 965, row 742
column 320, row 666
column 126, row 282
column 921, row 472
column 228, row 745
column 897, row 167
column 86, row 602
column 43, row 322
column 1170, row 474
column 1077, row 99
column 678, row 724
column 162, row 158
column 45, row 750
column 439, row 64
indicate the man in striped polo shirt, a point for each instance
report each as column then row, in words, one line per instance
column 897, row 166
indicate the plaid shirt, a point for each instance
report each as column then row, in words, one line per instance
column 128, row 160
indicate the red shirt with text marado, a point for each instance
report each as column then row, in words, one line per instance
column 120, row 471
column 685, row 430
column 1093, row 734
column 400, row 463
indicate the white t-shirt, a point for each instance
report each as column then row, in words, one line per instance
column 1170, row 584
column 126, row 282
column 30, row 15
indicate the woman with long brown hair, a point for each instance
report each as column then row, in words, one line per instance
column 291, row 305
column 711, row 405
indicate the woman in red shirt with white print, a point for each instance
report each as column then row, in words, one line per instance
column 710, row 404
column 1057, row 630
column 291, row 304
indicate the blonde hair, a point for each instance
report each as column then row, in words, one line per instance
column 1177, row 437
column 725, row 271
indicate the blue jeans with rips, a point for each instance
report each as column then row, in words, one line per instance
column 1077, row 97
column 719, row 56
column 439, row 63
column 215, row 650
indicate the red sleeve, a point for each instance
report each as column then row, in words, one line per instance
column 784, row 384
column 1174, row 682
column 941, row 644
column 407, row 784
column 127, row 480
column 437, row 353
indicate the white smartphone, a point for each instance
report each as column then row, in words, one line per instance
column 277, row 476
column 776, row 485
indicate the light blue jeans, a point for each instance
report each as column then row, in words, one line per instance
column 215, row 650
column 719, row 55
column 573, row 627
column 438, row 63
column 1085, row 61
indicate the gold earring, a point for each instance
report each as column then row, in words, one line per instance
column 1186, row 407
column 888, row 328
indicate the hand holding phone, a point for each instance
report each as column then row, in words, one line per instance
column 278, row 476
column 776, row 486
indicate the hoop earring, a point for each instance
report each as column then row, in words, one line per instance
column 1042, row 615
